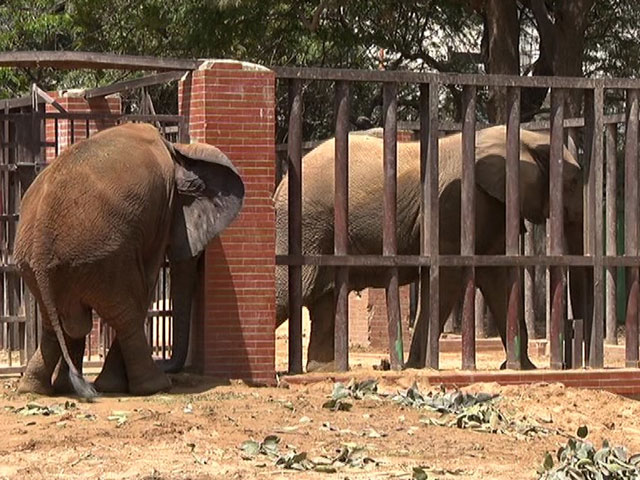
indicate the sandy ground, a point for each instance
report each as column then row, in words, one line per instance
column 195, row 431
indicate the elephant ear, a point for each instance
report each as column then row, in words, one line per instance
column 210, row 193
column 491, row 161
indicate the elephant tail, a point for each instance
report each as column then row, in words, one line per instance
column 80, row 385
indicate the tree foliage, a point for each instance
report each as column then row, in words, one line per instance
column 568, row 36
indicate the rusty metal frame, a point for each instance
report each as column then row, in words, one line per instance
column 424, row 348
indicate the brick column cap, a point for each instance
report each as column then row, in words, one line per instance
column 210, row 63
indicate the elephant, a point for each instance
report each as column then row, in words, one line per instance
column 365, row 222
column 94, row 230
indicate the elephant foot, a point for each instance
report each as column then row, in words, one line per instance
column 155, row 382
column 62, row 384
column 109, row 383
column 31, row 384
column 527, row 364
column 317, row 366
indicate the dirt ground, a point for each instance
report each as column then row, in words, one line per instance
column 195, row 431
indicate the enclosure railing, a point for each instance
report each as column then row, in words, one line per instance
column 595, row 128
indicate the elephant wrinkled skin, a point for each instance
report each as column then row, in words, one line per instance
column 365, row 222
column 94, row 230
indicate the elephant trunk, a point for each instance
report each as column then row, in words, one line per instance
column 183, row 284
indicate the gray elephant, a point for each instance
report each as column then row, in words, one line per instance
column 365, row 221
column 94, row 230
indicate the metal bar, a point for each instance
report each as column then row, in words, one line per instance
column 164, row 118
column 631, row 226
column 512, row 227
column 467, row 225
column 127, row 85
column 578, row 343
column 57, row 137
column 401, row 76
column 449, row 260
column 432, row 222
column 389, row 206
column 596, row 180
column 295, row 225
column 74, row 60
column 418, row 350
column 611, row 222
column 47, row 98
column 556, row 234
column 341, row 228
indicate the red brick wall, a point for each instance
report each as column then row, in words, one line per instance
column 73, row 102
column 232, row 106
column 377, row 307
column 358, row 319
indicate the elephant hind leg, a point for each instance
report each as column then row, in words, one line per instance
column 113, row 376
column 494, row 283
column 37, row 376
column 61, row 381
column 320, row 352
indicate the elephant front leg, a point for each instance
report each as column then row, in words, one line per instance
column 37, row 376
column 144, row 376
column 320, row 355
column 113, row 376
column 61, row 381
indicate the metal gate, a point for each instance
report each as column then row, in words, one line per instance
column 30, row 137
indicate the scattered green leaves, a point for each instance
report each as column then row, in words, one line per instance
column 441, row 401
column 33, row 408
column 349, row 454
column 354, row 390
column 579, row 459
column 118, row 416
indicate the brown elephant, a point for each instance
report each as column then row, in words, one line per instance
column 94, row 230
column 365, row 221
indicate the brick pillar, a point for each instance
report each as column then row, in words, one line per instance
column 69, row 132
column 231, row 105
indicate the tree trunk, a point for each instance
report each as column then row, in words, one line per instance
column 501, row 43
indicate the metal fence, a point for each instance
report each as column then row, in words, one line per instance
column 29, row 138
column 598, row 135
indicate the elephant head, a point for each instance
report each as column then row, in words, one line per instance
column 210, row 193
column 535, row 158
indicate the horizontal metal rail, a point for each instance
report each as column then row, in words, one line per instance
column 454, row 260
column 402, row 76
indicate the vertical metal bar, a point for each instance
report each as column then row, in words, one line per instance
column 631, row 226
column 341, row 222
column 389, row 204
column 431, row 224
column 86, row 125
column 468, row 224
column 514, row 302
column 56, row 137
column 294, row 150
column 556, row 234
column 595, row 354
column 418, row 351
column 578, row 341
column 72, row 132
column 611, row 222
